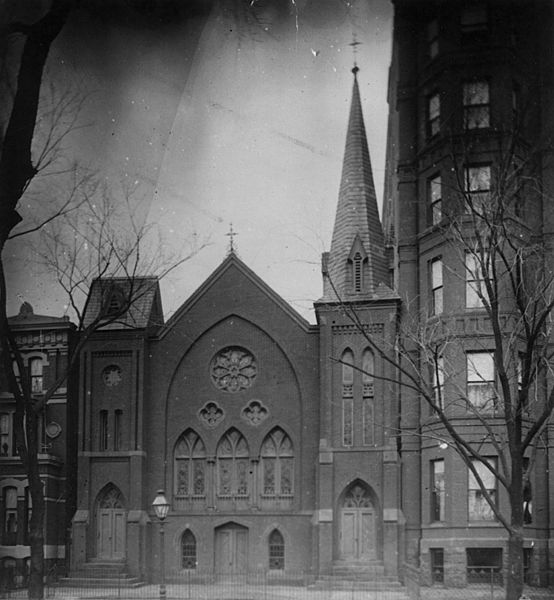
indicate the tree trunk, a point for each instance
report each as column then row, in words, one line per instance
column 36, row 526
column 16, row 170
column 514, row 571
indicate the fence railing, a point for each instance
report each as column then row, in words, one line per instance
column 480, row 583
column 477, row 583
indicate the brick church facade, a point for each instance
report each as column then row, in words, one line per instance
column 274, row 450
column 288, row 447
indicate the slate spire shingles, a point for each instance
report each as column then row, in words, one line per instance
column 357, row 216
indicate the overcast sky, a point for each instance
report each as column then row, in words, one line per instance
column 226, row 119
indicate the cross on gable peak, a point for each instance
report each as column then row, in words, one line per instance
column 231, row 234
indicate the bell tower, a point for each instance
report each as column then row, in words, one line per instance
column 358, row 515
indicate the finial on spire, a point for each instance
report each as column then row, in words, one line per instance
column 231, row 236
column 354, row 43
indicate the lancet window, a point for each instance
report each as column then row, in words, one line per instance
column 233, row 465
column 347, row 361
column 277, row 464
column 190, row 466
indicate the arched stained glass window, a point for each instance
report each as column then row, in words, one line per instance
column 233, row 465
column 276, row 551
column 188, row 550
column 277, row 464
column 190, row 465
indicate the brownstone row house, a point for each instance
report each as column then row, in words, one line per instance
column 44, row 342
column 287, row 447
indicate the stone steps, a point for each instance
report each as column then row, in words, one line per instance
column 365, row 576
column 100, row 582
column 98, row 573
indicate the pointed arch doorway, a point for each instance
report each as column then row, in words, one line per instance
column 111, row 524
column 358, row 535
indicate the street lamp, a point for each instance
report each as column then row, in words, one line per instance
column 161, row 508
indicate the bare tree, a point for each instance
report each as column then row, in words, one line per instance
column 490, row 405
column 108, row 244
column 33, row 131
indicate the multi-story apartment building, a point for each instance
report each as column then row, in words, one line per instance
column 471, row 96
column 44, row 342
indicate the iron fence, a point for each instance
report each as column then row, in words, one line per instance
column 481, row 583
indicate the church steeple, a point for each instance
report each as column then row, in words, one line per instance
column 356, row 264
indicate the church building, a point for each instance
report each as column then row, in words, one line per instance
column 308, row 451
column 275, row 444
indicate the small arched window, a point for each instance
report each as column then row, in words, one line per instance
column 103, row 430
column 368, row 370
column 276, row 551
column 117, row 429
column 190, row 465
column 188, row 550
column 347, row 360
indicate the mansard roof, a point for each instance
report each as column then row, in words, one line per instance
column 145, row 308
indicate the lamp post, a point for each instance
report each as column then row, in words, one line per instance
column 161, row 508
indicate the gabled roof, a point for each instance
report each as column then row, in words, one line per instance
column 232, row 261
column 141, row 293
column 357, row 215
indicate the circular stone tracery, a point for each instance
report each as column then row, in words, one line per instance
column 233, row 369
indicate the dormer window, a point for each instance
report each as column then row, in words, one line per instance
column 357, row 263
column 115, row 301
column 114, row 305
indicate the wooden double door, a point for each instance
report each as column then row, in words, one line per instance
column 357, row 525
column 231, row 549
column 357, row 534
column 112, row 525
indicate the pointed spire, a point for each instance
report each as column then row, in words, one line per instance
column 357, row 234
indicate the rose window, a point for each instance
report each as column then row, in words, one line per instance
column 233, row 369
